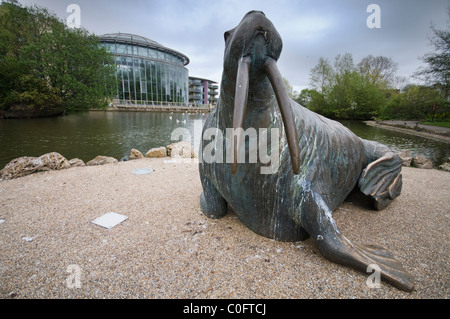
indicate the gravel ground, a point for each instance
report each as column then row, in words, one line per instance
column 49, row 247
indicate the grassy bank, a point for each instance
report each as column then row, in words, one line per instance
column 440, row 124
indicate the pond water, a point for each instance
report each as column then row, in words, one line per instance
column 115, row 133
column 438, row 152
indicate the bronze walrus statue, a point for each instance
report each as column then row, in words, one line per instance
column 315, row 162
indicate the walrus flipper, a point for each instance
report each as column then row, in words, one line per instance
column 381, row 179
column 212, row 203
column 334, row 246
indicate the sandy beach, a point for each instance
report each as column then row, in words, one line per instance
column 49, row 247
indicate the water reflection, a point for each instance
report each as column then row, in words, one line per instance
column 436, row 151
column 116, row 133
column 90, row 134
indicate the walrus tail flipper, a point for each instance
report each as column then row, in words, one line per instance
column 319, row 223
column 212, row 203
column 381, row 180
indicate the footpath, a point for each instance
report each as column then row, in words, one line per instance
column 415, row 128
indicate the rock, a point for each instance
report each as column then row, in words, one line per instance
column 180, row 149
column 406, row 157
column 25, row 165
column 445, row 166
column 74, row 162
column 157, row 152
column 420, row 161
column 135, row 154
column 19, row 167
column 100, row 160
column 53, row 161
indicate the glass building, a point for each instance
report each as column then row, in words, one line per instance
column 147, row 72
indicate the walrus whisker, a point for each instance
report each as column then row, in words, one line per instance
column 240, row 105
column 284, row 104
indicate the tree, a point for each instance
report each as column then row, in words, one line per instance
column 321, row 79
column 47, row 68
column 438, row 60
column 315, row 101
column 343, row 64
column 321, row 76
column 340, row 96
column 414, row 103
column 353, row 97
column 291, row 92
column 379, row 71
column 342, row 91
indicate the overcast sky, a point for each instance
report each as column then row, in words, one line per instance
column 309, row 29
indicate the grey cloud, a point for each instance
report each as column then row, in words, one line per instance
column 310, row 29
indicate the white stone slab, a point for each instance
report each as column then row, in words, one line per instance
column 109, row 220
column 142, row 171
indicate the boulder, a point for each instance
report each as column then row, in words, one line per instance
column 420, row 161
column 406, row 157
column 180, row 149
column 53, row 161
column 25, row 165
column 74, row 162
column 19, row 167
column 157, row 152
column 445, row 166
column 135, row 154
column 125, row 158
column 100, row 160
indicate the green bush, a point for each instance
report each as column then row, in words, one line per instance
column 47, row 68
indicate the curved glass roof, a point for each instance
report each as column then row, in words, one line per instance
column 129, row 38
column 139, row 40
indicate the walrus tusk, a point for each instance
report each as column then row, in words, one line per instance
column 240, row 105
column 284, row 103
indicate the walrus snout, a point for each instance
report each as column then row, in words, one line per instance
column 258, row 57
column 240, row 41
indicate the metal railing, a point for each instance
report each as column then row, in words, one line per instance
column 164, row 106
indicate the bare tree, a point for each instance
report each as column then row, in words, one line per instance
column 321, row 76
column 379, row 70
column 343, row 64
column 437, row 70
